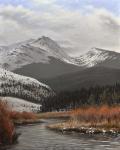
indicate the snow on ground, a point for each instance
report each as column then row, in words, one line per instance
column 21, row 105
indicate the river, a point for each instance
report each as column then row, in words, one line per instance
column 37, row 137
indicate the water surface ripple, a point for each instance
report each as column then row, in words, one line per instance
column 37, row 137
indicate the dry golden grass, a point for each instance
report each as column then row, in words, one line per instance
column 49, row 115
column 103, row 116
column 22, row 115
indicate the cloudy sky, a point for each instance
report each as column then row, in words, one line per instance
column 75, row 24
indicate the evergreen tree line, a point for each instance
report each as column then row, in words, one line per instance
column 109, row 94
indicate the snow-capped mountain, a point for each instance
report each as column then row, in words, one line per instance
column 19, row 86
column 98, row 56
column 32, row 51
column 45, row 58
column 92, row 57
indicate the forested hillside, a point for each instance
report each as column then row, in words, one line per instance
column 30, row 89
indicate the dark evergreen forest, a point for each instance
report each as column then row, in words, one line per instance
column 67, row 100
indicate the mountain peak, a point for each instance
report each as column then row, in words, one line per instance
column 46, row 43
column 93, row 57
column 96, row 50
column 45, row 38
column 32, row 51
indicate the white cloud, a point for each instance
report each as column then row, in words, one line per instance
column 98, row 28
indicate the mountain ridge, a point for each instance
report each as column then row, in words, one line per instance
column 31, row 51
column 40, row 50
column 44, row 57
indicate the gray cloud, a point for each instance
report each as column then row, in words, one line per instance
column 98, row 28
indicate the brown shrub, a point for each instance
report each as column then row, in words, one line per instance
column 6, row 125
column 22, row 115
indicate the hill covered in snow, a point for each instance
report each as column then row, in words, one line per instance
column 23, row 87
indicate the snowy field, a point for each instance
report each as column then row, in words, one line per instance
column 21, row 105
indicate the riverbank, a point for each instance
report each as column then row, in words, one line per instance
column 91, row 120
column 39, row 118
column 24, row 118
column 65, row 127
column 55, row 115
